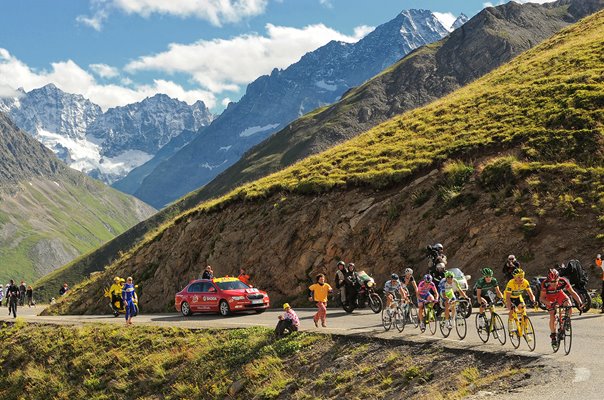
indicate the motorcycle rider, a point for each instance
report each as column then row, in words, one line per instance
column 552, row 292
column 438, row 261
column 510, row 265
column 352, row 283
column 341, row 280
column 116, row 293
column 392, row 288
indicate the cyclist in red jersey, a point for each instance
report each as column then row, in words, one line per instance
column 552, row 292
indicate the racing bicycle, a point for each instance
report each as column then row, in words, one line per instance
column 520, row 326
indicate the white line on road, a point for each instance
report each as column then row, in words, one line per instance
column 581, row 375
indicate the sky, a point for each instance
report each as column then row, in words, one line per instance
column 116, row 52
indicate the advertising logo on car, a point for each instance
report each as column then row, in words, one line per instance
column 209, row 298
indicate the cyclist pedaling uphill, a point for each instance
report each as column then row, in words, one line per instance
column 394, row 290
column 426, row 293
column 552, row 292
column 514, row 290
column 487, row 288
column 446, row 289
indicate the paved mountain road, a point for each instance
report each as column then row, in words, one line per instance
column 584, row 380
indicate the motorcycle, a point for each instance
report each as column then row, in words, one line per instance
column 363, row 294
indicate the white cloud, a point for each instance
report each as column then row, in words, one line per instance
column 225, row 102
column 216, row 12
column 446, row 19
column 104, row 70
column 221, row 64
column 71, row 78
column 326, row 3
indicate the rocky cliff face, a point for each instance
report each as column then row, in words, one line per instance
column 104, row 145
column 284, row 241
column 491, row 38
column 270, row 102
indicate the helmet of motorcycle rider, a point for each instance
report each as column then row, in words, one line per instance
column 351, row 265
column 438, row 247
column 511, row 257
column 342, row 263
column 449, row 274
column 428, row 278
column 553, row 274
column 518, row 272
column 486, row 272
column 394, row 277
column 408, row 271
column 116, row 279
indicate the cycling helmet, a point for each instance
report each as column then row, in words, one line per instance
column 486, row 272
column 438, row 247
column 518, row 272
column 449, row 274
column 341, row 263
column 408, row 271
column 553, row 274
column 428, row 278
column 394, row 277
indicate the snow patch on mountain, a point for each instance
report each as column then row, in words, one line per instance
column 323, row 85
column 256, row 129
column 225, row 148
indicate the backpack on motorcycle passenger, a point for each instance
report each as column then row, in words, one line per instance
column 575, row 273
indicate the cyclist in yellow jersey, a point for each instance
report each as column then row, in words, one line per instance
column 515, row 288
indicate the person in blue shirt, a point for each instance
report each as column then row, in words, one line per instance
column 129, row 299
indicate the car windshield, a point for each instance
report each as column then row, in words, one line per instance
column 232, row 285
column 457, row 272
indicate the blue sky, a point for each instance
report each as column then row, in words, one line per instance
column 115, row 52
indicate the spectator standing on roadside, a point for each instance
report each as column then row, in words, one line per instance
column 129, row 299
column 243, row 277
column 508, row 268
column 29, row 293
column 318, row 293
column 64, row 289
column 341, row 281
column 289, row 320
column 599, row 265
column 22, row 289
column 13, row 298
column 207, row 273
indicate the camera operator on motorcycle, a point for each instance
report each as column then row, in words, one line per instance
column 510, row 265
column 341, row 280
column 116, row 293
column 392, row 288
column 438, row 261
column 489, row 284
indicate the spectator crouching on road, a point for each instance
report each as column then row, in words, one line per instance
column 288, row 321
column 318, row 293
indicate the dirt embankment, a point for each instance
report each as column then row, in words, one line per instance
column 285, row 240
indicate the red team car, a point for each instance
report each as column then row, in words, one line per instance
column 221, row 295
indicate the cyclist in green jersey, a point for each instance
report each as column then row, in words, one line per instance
column 486, row 285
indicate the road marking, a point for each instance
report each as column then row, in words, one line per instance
column 581, row 375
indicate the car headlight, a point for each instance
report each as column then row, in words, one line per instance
column 238, row 298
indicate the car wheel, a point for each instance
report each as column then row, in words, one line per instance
column 223, row 308
column 185, row 309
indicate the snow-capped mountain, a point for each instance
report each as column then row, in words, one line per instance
column 104, row 145
column 272, row 101
column 462, row 19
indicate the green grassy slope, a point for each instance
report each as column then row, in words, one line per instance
column 104, row 362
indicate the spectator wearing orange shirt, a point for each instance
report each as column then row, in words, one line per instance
column 598, row 263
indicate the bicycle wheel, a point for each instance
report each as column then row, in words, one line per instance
column 431, row 321
column 375, row 303
column 498, row 328
column 482, row 327
column 559, row 335
column 445, row 325
column 399, row 319
column 529, row 333
column 460, row 326
column 568, row 335
column 513, row 330
column 386, row 319
column 412, row 313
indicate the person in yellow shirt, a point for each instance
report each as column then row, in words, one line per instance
column 514, row 289
column 116, row 293
column 318, row 293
